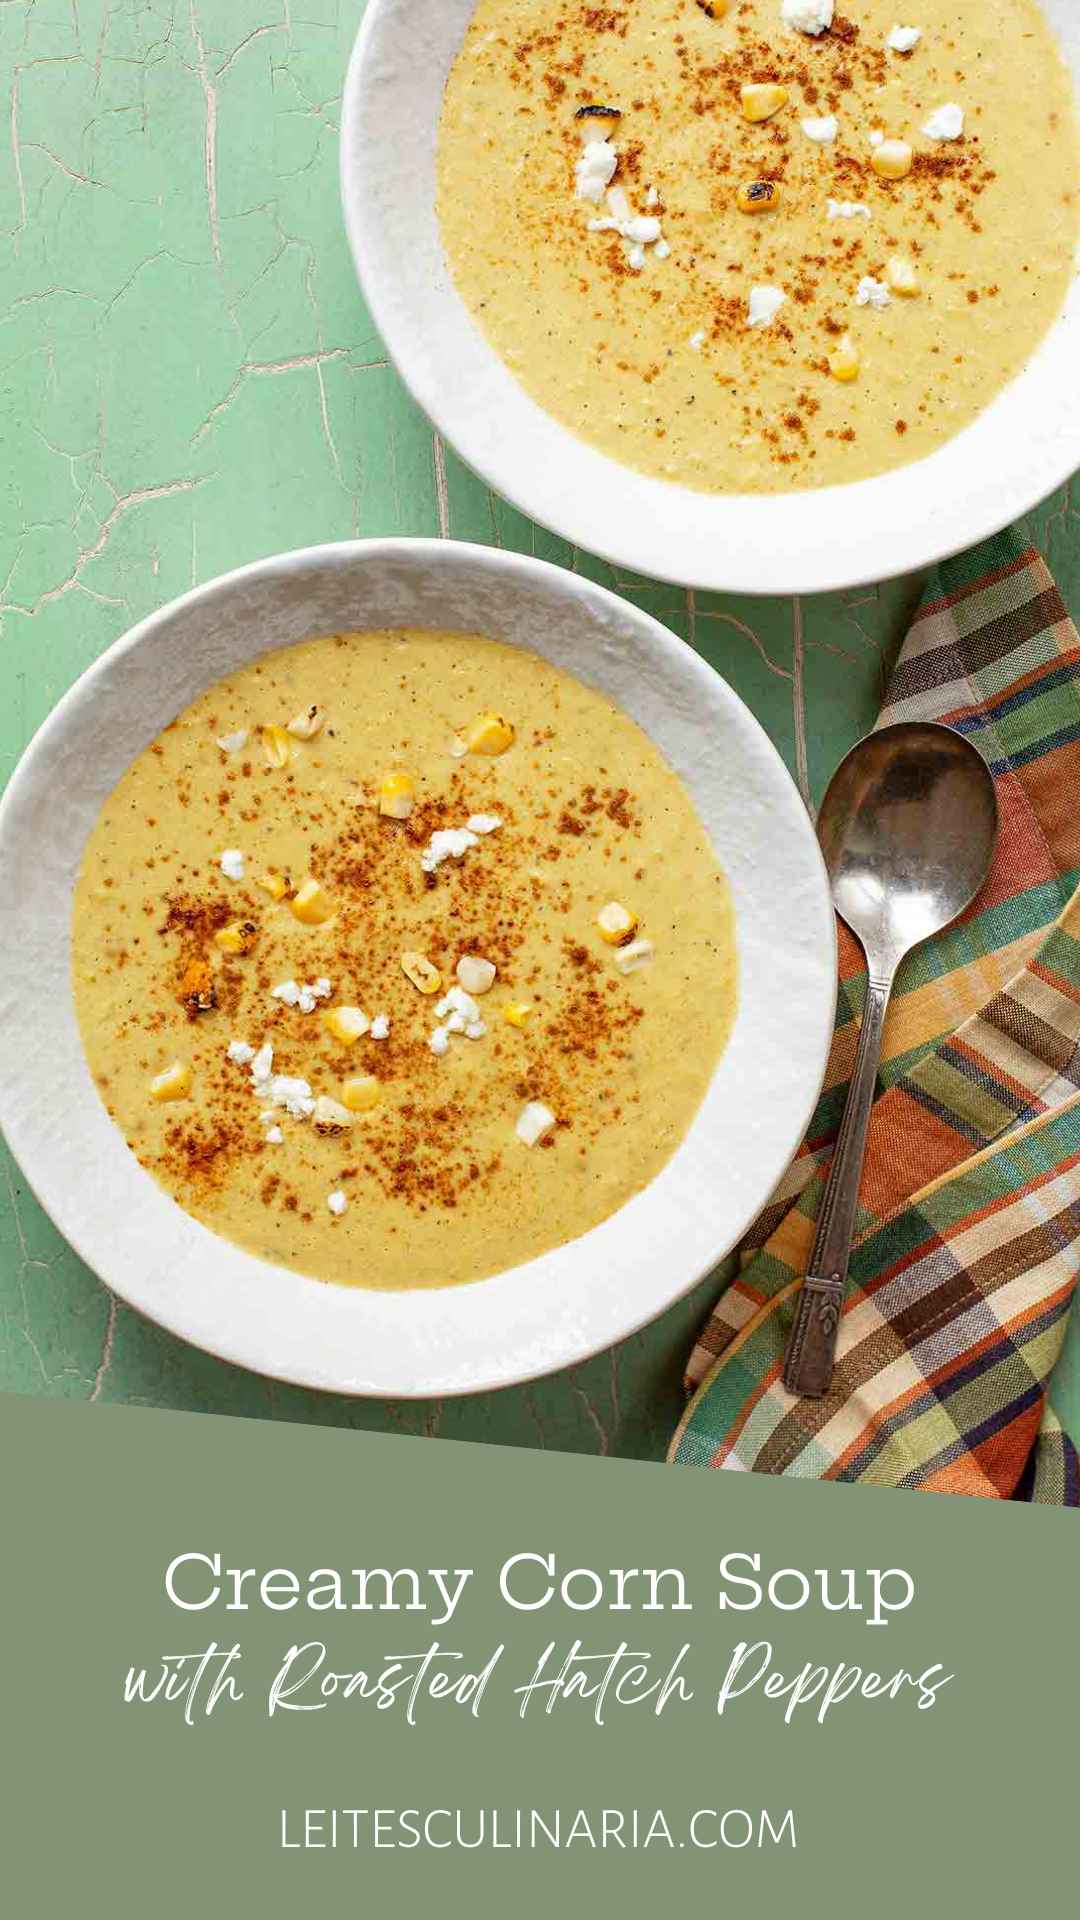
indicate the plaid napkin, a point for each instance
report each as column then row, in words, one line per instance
column 968, row 1237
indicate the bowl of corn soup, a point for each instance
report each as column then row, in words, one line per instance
column 400, row 933
column 768, row 296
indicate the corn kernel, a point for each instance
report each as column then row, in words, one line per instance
column 173, row 1084
column 307, row 723
column 902, row 277
column 239, row 937
column 760, row 102
column 362, row 1094
column 419, row 970
column 617, row 924
column 275, row 884
column 844, row 359
column 489, row 734
column 312, row 905
column 534, row 1123
column 330, row 1116
column 196, row 991
column 277, row 746
column 397, row 796
column 474, row 974
column 893, row 160
column 760, row 196
column 638, row 954
column 516, row 1012
column 345, row 1024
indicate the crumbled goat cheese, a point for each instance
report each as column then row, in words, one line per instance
column 652, row 198
column 639, row 230
column 902, row 39
column 697, row 340
column 847, row 210
column 276, row 1090
column 872, row 293
column 380, row 1027
column 274, row 1136
column 305, row 996
column 241, row 1053
column 533, row 1122
column 945, row 123
column 823, row 130
column 449, row 843
column 453, row 843
column 262, row 1066
column 459, row 1013
column 337, row 1203
column 877, row 138
column 763, row 306
column 232, row 863
column 809, row 16
column 595, row 170
column 293, row 1094
column 234, row 742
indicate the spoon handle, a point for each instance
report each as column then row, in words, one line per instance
column 811, row 1354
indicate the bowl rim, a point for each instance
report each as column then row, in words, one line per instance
column 40, row 1165
column 821, row 540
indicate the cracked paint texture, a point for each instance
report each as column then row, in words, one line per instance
column 189, row 380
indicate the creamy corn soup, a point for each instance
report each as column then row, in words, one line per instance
column 402, row 957
column 752, row 245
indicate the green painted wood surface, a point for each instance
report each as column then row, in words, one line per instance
column 188, row 380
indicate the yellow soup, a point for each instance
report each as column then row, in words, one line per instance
column 775, row 259
column 401, row 958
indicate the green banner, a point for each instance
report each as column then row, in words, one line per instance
column 253, row 1667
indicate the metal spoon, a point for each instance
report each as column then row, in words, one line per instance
column 907, row 828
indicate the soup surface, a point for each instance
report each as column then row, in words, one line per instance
column 852, row 319
column 343, row 969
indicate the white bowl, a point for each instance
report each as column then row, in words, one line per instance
column 1024, row 445
column 572, row 1302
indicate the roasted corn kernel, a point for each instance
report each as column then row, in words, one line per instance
column 516, row 1012
column 844, row 359
column 347, row 1025
column 419, row 970
column 759, row 196
column 307, row 723
column 312, row 905
column 617, row 924
column 632, row 958
column 173, row 1084
column 362, row 1094
column 489, row 734
column 397, row 795
column 893, row 160
column 330, row 1116
column 902, row 277
column 474, row 974
column 275, row 884
column 239, row 937
column 761, row 101
column 534, row 1123
column 277, row 747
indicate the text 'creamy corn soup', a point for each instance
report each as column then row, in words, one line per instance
column 402, row 957
column 751, row 245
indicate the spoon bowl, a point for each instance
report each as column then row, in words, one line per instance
column 907, row 828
